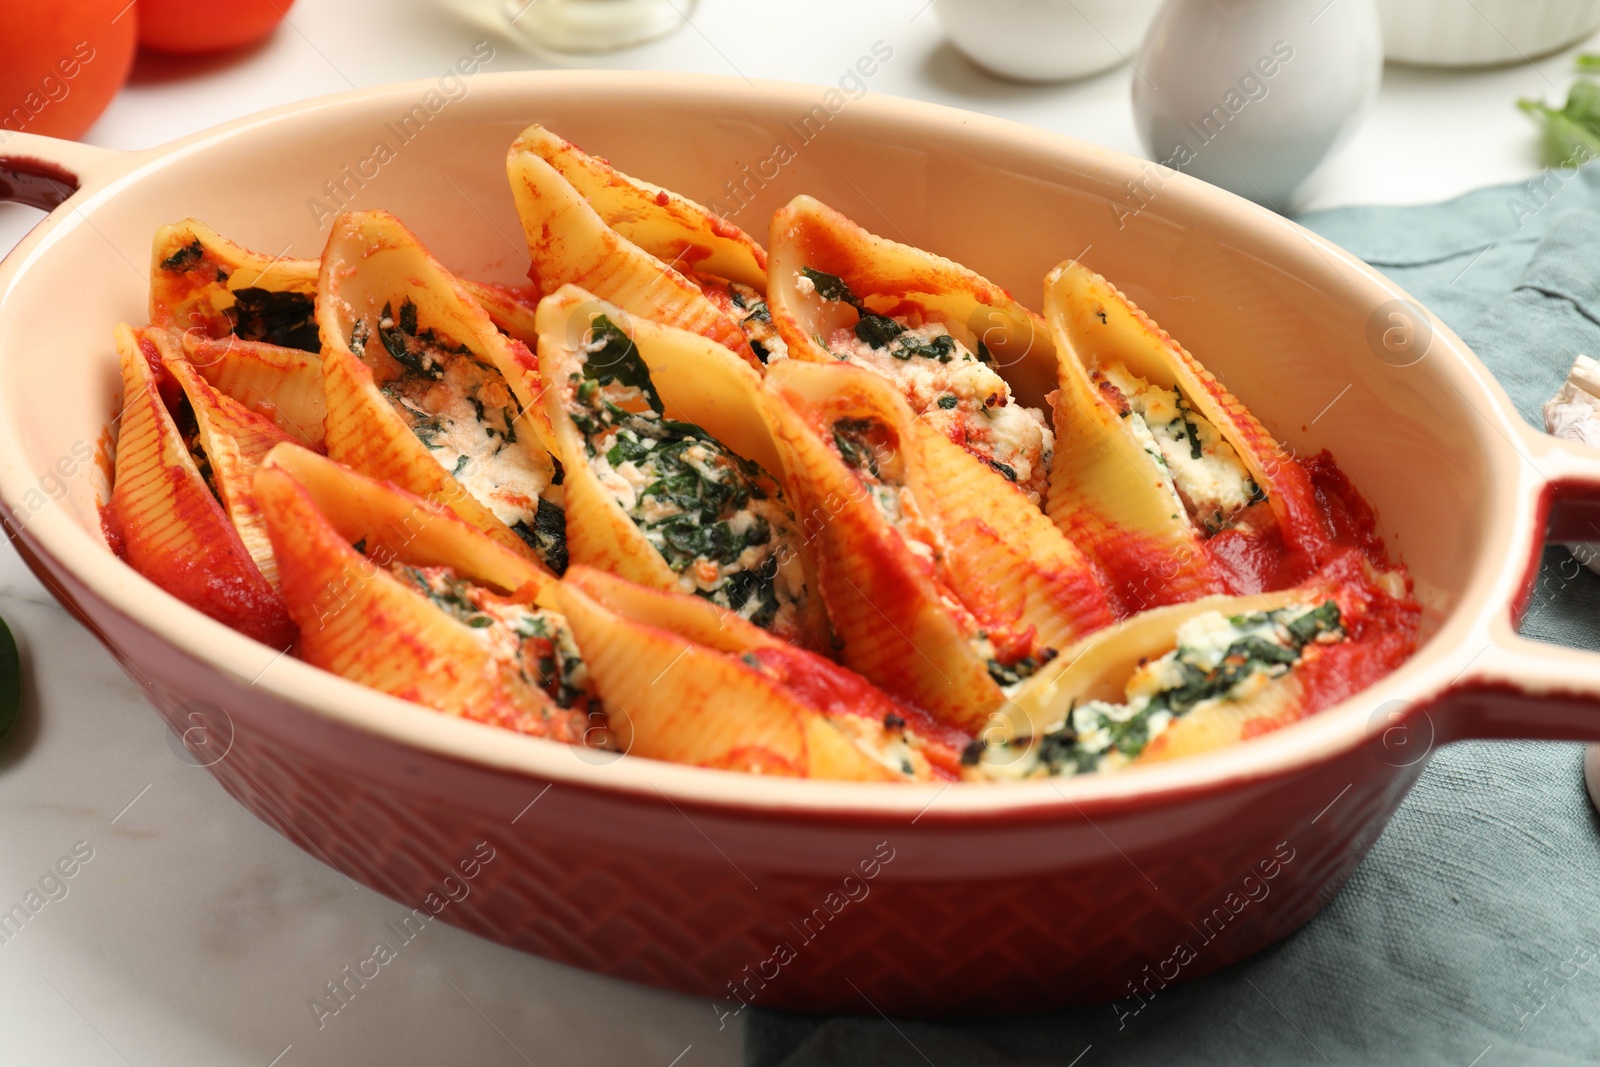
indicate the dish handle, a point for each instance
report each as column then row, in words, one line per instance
column 43, row 172
column 1517, row 687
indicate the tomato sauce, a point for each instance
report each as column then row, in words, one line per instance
column 834, row 690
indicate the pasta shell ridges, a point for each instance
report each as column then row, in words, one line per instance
column 886, row 608
column 173, row 530
column 359, row 622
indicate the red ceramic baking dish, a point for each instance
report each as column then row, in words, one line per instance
column 805, row 894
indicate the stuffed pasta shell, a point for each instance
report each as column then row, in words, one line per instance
column 669, row 465
column 164, row 515
column 1160, row 473
column 202, row 283
column 1189, row 678
column 280, row 384
column 228, row 442
column 944, row 584
column 655, row 254
column 685, row 680
column 855, row 513
column 968, row 358
column 399, row 594
column 423, row 391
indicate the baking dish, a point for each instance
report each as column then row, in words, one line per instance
column 803, row 894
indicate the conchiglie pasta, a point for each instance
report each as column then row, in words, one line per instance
column 630, row 243
column 170, row 527
column 944, row 585
column 390, row 524
column 422, row 391
column 730, row 696
column 282, row 384
column 1156, row 463
column 853, row 513
column 421, row 614
column 202, row 283
column 1188, row 678
column 669, row 464
column 670, row 227
column 232, row 440
column 967, row 357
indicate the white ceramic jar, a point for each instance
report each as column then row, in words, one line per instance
column 1046, row 40
column 1478, row 33
column 1253, row 95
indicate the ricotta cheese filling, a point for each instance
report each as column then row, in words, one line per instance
column 750, row 308
column 1217, row 658
column 865, row 446
column 537, row 644
column 1205, row 477
column 718, row 520
column 957, row 391
column 461, row 409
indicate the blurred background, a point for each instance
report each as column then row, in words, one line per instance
column 1432, row 132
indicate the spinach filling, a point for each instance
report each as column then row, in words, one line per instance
column 460, row 408
column 544, row 652
column 756, row 311
column 287, row 320
column 1270, row 643
column 859, row 442
column 880, row 331
column 1005, row 674
column 185, row 257
column 1175, row 436
column 547, row 535
column 418, row 351
column 694, row 500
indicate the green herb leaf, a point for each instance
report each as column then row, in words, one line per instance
column 940, row 348
column 1004, row 468
column 1571, row 132
column 1324, row 619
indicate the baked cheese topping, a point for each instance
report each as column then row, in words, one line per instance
column 461, row 409
column 1217, row 658
column 718, row 520
column 1207, row 480
column 536, row 644
column 955, row 390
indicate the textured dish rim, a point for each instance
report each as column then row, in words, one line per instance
column 55, row 532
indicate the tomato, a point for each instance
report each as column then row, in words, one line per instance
column 195, row 26
column 61, row 62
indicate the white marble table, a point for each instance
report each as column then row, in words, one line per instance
column 195, row 935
